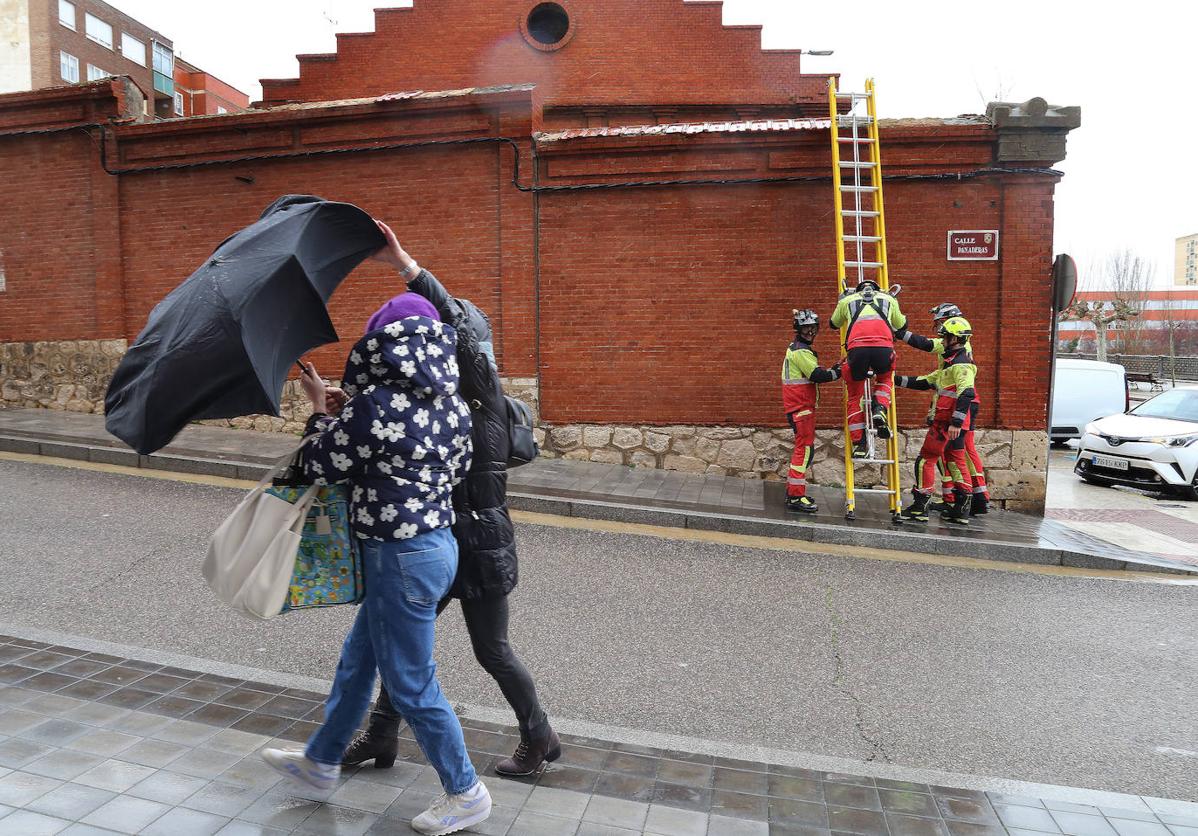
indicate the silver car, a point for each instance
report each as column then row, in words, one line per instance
column 1155, row 445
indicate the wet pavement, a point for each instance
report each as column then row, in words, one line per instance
column 94, row 743
column 616, row 492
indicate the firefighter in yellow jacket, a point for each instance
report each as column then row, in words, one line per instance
column 954, row 385
column 870, row 317
column 801, row 374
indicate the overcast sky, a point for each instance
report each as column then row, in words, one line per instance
column 1132, row 71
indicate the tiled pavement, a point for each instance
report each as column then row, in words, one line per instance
column 93, row 743
column 588, row 489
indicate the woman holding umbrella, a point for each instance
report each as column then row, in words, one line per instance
column 401, row 440
column 487, row 549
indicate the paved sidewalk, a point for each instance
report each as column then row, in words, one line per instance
column 95, row 743
column 615, row 492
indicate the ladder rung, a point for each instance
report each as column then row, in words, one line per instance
column 853, row 119
column 862, row 96
column 863, row 264
column 864, row 140
column 852, row 164
column 886, row 491
column 864, row 238
column 874, row 461
column 860, row 213
column 863, row 189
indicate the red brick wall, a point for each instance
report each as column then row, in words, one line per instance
column 694, row 58
column 635, row 305
column 686, row 321
column 172, row 220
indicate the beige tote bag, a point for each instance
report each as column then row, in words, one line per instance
column 252, row 555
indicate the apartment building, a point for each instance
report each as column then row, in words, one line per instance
column 51, row 43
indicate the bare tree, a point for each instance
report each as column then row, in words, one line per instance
column 1128, row 277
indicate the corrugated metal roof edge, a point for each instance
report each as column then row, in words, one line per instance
column 743, row 126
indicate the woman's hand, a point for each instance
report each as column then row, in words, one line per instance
column 315, row 388
column 392, row 253
column 334, row 399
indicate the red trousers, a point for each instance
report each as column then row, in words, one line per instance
column 935, row 447
column 803, row 424
column 977, row 469
column 861, row 361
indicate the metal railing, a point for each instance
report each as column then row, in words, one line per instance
column 1160, row 366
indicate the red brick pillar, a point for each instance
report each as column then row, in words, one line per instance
column 107, row 264
column 1025, row 304
column 517, row 337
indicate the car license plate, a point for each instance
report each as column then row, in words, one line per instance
column 1111, row 462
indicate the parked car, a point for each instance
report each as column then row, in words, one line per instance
column 1154, row 445
column 1082, row 391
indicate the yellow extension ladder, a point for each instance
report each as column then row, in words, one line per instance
column 861, row 253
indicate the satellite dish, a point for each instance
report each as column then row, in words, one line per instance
column 1064, row 282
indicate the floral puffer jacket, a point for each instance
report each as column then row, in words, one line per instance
column 403, row 439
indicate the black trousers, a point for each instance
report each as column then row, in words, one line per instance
column 487, row 624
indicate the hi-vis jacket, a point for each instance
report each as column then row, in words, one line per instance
column 934, row 346
column 953, row 384
column 800, row 374
column 873, row 318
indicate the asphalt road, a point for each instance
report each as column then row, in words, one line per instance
column 1062, row 680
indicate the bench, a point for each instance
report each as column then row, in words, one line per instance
column 1154, row 383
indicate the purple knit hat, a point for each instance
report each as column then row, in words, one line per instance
column 401, row 307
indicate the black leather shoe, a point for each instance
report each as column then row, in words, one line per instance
column 530, row 755
column 376, row 743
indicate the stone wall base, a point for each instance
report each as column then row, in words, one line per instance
column 1016, row 460
column 68, row 375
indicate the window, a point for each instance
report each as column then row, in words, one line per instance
column 178, row 104
column 98, row 30
column 68, row 67
column 220, row 110
column 133, row 49
column 66, row 14
column 164, row 60
column 94, row 73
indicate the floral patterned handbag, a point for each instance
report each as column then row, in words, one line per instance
column 328, row 569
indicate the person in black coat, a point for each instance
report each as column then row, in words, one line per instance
column 487, row 569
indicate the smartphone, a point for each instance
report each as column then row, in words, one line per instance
column 300, row 366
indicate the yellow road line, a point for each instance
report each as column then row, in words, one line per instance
column 100, row 467
column 750, row 541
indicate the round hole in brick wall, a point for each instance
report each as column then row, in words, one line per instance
column 548, row 24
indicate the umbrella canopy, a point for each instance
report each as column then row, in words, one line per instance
column 222, row 343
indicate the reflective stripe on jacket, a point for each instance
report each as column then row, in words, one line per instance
column 799, row 391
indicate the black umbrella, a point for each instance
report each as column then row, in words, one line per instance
column 222, row 343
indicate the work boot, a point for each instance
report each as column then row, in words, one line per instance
column 881, row 425
column 940, row 505
column 917, row 511
column 530, row 755
column 958, row 512
column 380, row 743
column 861, row 448
column 801, row 503
column 981, row 505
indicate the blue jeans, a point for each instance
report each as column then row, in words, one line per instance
column 393, row 634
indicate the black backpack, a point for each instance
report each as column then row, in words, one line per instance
column 523, row 447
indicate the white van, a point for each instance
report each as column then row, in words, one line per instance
column 1082, row 391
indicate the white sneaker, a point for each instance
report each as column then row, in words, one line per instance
column 297, row 767
column 451, row 813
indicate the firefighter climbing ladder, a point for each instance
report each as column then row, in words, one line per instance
column 861, row 255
